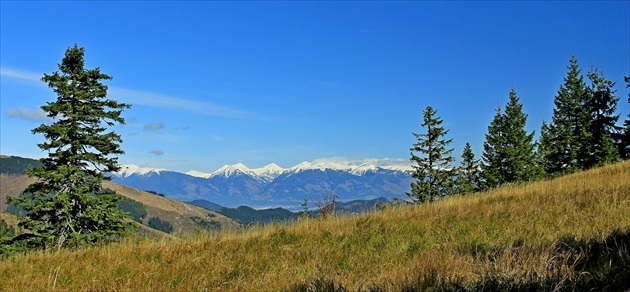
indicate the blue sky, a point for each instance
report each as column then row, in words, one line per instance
column 214, row 83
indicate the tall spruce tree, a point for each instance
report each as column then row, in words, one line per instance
column 568, row 148
column 67, row 205
column 509, row 153
column 468, row 173
column 545, row 148
column 493, row 158
column 602, row 104
column 520, row 146
column 432, row 169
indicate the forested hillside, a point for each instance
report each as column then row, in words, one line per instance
column 13, row 165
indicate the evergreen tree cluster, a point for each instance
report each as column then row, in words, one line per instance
column 133, row 209
column 582, row 134
column 161, row 225
column 6, row 235
column 13, row 165
column 247, row 215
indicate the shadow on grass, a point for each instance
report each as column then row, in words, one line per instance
column 573, row 265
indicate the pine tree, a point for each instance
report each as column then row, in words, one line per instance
column 432, row 170
column 493, row 157
column 468, row 173
column 602, row 106
column 519, row 146
column 67, row 205
column 545, row 148
column 569, row 126
column 509, row 153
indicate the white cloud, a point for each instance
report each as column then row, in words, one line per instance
column 157, row 152
column 154, row 127
column 19, row 74
column 163, row 101
column 36, row 115
column 387, row 163
column 145, row 98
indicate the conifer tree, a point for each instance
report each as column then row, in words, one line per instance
column 67, row 205
column 545, row 148
column 493, row 157
column 432, row 169
column 569, row 148
column 520, row 146
column 468, row 173
column 509, row 152
column 602, row 106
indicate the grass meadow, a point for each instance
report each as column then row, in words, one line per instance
column 569, row 233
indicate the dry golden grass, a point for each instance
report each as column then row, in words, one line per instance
column 515, row 232
column 9, row 219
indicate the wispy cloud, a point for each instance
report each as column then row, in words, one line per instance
column 164, row 101
column 157, row 152
column 145, row 98
column 154, row 127
column 380, row 162
column 36, row 115
column 19, row 74
column 183, row 128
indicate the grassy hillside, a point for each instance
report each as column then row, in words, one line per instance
column 12, row 185
column 569, row 232
column 185, row 218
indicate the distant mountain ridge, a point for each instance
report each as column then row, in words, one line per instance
column 274, row 186
column 272, row 170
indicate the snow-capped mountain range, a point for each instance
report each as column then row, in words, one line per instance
column 272, row 170
column 272, row 185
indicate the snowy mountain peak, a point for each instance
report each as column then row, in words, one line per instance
column 230, row 170
column 305, row 165
column 199, row 174
column 271, row 167
column 354, row 168
column 130, row 169
column 269, row 172
column 363, row 168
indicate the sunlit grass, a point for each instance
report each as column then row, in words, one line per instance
column 515, row 233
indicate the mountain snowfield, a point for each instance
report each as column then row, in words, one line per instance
column 272, row 185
